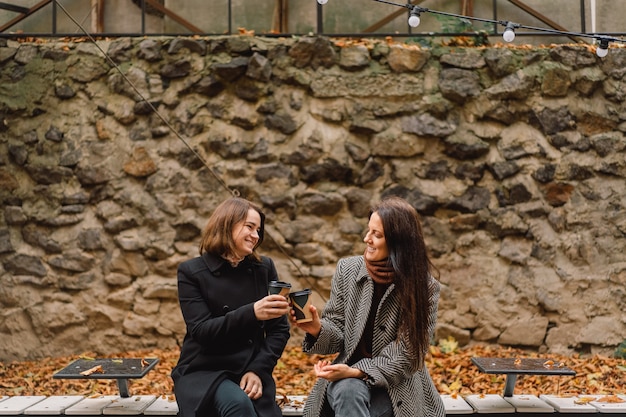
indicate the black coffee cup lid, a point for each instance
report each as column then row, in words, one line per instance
column 280, row 284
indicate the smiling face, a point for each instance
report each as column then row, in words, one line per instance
column 375, row 239
column 246, row 234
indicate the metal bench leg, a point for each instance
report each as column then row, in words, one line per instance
column 509, row 385
column 123, row 386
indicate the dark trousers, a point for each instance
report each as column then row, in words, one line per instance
column 231, row 401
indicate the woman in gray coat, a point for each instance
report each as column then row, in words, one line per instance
column 379, row 319
column 235, row 331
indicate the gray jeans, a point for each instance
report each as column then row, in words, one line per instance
column 351, row 397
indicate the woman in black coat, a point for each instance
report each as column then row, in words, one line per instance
column 235, row 331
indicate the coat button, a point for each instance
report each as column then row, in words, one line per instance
column 226, row 309
column 249, row 341
column 382, row 328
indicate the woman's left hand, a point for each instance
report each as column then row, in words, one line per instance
column 251, row 384
column 335, row 372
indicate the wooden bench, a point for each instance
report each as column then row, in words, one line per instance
column 124, row 404
column 150, row 405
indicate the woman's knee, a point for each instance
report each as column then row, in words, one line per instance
column 350, row 386
column 349, row 389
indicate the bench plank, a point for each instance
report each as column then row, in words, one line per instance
column 54, row 405
column 489, row 403
column 91, row 406
column 456, row 405
column 129, row 405
column 151, row 405
column 162, row 407
column 568, row 404
column 294, row 405
column 607, row 407
column 529, row 404
column 19, row 403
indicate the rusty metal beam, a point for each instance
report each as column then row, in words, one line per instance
column 173, row 16
column 520, row 4
column 467, row 8
column 23, row 16
column 280, row 21
column 382, row 22
column 13, row 8
column 100, row 20
column 152, row 3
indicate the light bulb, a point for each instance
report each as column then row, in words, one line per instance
column 508, row 35
column 603, row 48
column 414, row 20
column 322, row 1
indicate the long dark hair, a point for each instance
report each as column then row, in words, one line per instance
column 217, row 235
column 409, row 259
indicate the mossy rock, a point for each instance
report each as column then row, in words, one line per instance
column 620, row 352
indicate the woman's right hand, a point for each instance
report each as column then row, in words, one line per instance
column 271, row 307
column 312, row 327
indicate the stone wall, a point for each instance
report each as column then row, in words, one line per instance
column 513, row 156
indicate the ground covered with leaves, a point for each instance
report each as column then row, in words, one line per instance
column 451, row 369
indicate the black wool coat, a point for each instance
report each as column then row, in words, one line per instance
column 224, row 339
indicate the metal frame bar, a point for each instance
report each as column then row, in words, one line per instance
column 370, row 30
column 13, row 8
column 26, row 12
column 173, row 16
column 390, row 17
column 534, row 13
column 23, row 16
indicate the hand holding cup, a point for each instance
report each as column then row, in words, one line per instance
column 280, row 287
column 270, row 307
column 301, row 304
column 306, row 319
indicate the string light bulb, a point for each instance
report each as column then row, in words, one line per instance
column 509, row 32
column 508, row 35
column 414, row 18
column 603, row 48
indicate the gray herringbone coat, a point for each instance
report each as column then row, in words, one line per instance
column 411, row 391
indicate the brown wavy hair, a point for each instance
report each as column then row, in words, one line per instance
column 217, row 235
column 413, row 269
